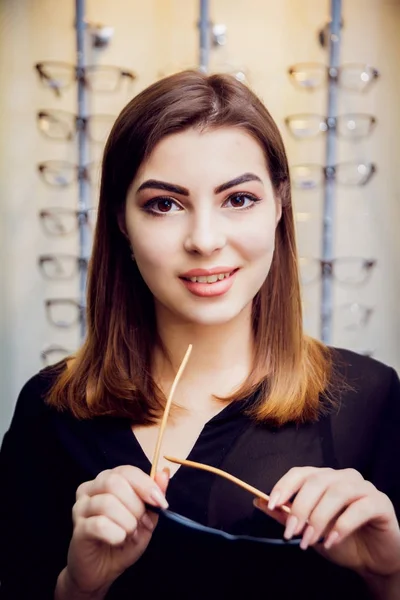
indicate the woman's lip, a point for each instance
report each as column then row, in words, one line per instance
column 209, row 290
column 207, row 272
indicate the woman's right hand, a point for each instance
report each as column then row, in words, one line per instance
column 112, row 527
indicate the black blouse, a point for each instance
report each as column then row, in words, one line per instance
column 46, row 454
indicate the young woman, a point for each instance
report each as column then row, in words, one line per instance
column 195, row 244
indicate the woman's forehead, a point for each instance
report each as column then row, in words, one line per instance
column 218, row 154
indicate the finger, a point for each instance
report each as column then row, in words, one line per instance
column 111, row 507
column 288, row 485
column 313, row 489
column 162, row 479
column 276, row 514
column 138, row 481
column 332, row 504
column 111, row 483
column 144, row 485
column 376, row 509
column 102, row 529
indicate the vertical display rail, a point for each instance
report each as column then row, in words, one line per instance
column 83, row 188
column 330, row 183
column 204, row 28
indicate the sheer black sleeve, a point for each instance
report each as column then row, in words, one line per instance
column 37, row 493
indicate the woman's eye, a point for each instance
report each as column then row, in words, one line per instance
column 160, row 206
column 241, row 200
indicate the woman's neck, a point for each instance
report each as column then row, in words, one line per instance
column 221, row 356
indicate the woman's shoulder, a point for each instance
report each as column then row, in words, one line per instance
column 365, row 380
column 31, row 401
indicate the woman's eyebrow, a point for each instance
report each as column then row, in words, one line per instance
column 241, row 179
column 155, row 184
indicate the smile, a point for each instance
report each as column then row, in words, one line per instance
column 211, row 285
column 209, row 278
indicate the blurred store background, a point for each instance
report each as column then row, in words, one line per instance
column 49, row 158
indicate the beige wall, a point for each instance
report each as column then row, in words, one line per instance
column 156, row 36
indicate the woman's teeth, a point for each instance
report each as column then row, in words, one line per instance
column 209, row 278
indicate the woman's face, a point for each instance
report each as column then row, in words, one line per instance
column 201, row 218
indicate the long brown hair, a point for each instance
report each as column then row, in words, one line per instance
column 111, row 373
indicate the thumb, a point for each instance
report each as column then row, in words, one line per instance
column 162, row 479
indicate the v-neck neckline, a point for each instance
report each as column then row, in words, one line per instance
column 226, row 412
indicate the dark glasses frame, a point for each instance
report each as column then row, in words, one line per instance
column 53, row 302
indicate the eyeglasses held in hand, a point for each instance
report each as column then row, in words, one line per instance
column 63, row 125
column 351, row 126
column 61, row 266
column 61, row 173
column 64, row 221
column 346, row 270
column 189, row 523
column 53, row 354
column 64, row 312
column 58, row 76
column 310, row 176
column 356, row 77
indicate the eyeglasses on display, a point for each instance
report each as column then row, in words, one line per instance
column 61, row 173
column 64, row 312
column 346, row 270
column 53, row 354
column 63, row 125
column 356, row 77
column 352, row 126
column 58, row 76
column 61, row 266
column 64, row 221
column 310, row 176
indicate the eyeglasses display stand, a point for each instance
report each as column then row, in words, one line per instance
column 327, row 251
column 83, row 150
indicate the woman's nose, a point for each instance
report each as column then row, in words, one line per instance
column 205, row 235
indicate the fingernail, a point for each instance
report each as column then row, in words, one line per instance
column 258, row 503
column 273, row 499
column 158, row 497
column 307, row 537
column 147, row 522
column 167, row 471
column 291, row 525
column 331, row 539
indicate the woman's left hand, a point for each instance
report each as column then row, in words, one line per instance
column 357, row 522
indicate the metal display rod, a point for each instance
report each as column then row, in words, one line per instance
column 329, row 195
column 204, row 27
column 83, row 189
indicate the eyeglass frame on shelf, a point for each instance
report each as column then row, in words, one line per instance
column 327, row 268
column 79, row 74
column 79, row 123
column 80, row 311
column 82, row 172
column 79, row 262
column 333, row 73
column 330, row 123
column 330, row 173
column 79, row 214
